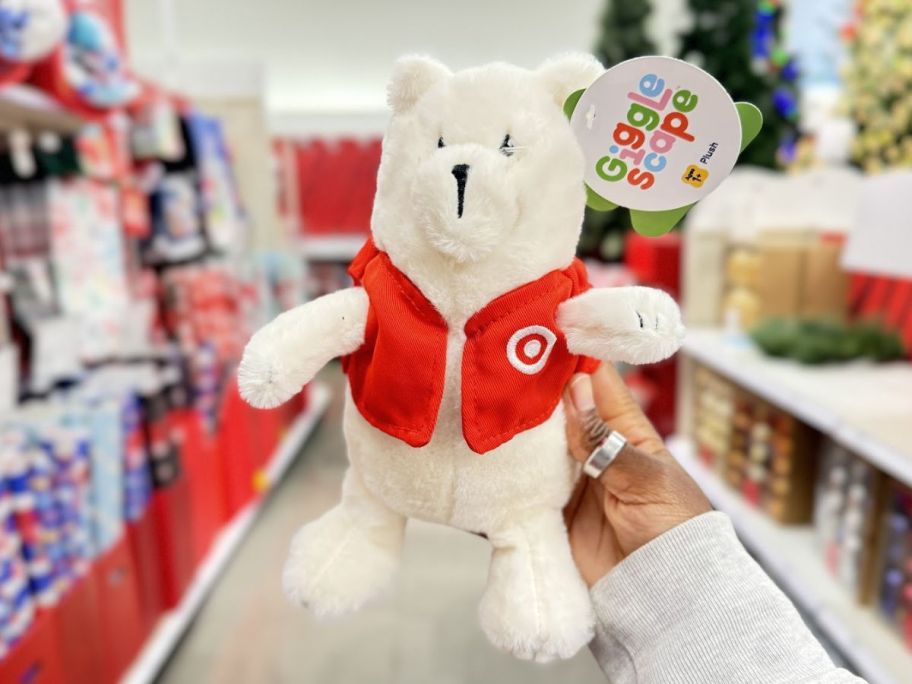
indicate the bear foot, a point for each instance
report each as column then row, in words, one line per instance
column 536, row 605
column 343, row 559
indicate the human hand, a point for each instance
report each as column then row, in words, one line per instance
column 641, row 495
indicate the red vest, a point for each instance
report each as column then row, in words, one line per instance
column 514, row 365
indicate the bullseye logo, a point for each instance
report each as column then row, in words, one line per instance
column 529, row 348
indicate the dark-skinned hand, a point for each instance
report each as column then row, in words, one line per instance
column 643, row 494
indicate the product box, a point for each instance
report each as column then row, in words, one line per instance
column 849, row 500
column 704, row 277
column 781, row 280
column 894, row 566
column 786, row 450
column 824, row 291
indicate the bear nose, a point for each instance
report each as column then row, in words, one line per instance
column 460, row 173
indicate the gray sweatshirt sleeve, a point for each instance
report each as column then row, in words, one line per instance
column 692, row 606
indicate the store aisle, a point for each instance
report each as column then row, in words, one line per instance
column 424, row 630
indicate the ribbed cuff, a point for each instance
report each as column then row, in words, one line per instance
column 693, row 606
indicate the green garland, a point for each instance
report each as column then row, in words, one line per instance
column 816, row 342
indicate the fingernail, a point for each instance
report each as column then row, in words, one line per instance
column 581, row 393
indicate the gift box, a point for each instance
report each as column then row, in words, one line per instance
column 30, row 479
column 69, row 449
column 105, row 423
column 16, row 608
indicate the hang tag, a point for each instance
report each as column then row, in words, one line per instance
column 658, row 134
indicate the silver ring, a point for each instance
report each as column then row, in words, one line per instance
column 604, row 455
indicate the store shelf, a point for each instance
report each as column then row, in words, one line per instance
column 864, row 406
column 331, row 247
column 23, row 106
column 791, row 557
column 171, row 627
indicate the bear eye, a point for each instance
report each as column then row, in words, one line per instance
column 507, row 146
column 440, row 142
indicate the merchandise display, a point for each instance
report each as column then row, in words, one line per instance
column 128, row 299
column 764, row 453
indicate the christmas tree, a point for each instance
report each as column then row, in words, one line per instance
column 879, row 84
column 733, row 41
column 623, row 37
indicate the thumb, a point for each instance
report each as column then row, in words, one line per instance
column 634, row 468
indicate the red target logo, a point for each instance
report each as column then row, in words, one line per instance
column 529, row 348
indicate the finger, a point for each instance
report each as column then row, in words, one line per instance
column 578, row 400
column 635, row 474
column 619, row 409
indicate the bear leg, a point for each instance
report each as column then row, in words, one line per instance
column 536, row 605
column 347, row 556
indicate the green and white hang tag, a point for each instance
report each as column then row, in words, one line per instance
column 658, row 134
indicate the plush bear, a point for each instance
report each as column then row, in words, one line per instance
column 468, row 316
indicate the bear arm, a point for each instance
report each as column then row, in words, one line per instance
column 630, row 324
column 285, row 354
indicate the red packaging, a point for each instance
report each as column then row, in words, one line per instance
column 171, row 509
column 79, row 632
column 120, row 608
column 268, row 432
column 236, row 448
column 88, row 79
column 35, row 659
column 204, row 475
column 14, row 72
column 655, row 261
column 142, row 537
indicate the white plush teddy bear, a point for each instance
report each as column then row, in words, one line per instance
column 468, row 316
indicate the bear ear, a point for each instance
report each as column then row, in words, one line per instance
column 566, row 74
column 413, row 76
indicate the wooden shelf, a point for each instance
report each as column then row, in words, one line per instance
column 172, row 627
column 23, row 106
column 864, row 406
column 791, row 556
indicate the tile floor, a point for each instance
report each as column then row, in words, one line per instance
column 423, row 631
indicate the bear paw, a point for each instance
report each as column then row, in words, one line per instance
column 262, row 383
column 534, row 618
column 336, row 564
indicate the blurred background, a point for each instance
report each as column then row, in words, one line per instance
column 174, row 174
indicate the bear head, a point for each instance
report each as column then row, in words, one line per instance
column 480, row 187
